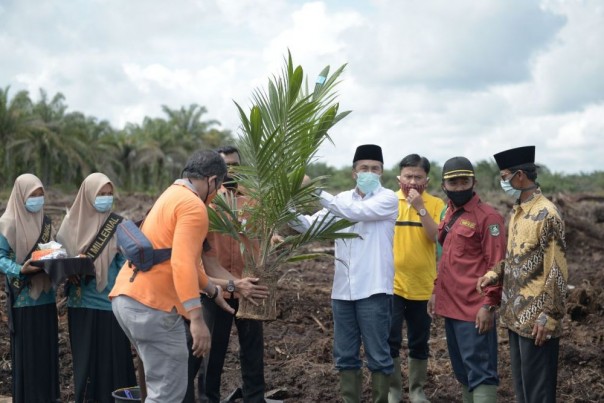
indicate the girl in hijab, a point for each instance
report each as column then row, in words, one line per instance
column 101, row 354
column 32, row 306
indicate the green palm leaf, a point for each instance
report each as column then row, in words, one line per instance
column 279, row 137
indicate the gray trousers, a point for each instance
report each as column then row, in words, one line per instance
column 160, row 340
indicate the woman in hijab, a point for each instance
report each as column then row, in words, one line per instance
column 101, row 354
column 32, row 306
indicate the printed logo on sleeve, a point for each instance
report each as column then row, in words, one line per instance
column 494, row 230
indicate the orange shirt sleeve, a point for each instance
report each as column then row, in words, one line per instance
column 191, row 228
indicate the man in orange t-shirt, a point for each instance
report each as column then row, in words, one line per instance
column 150, row 305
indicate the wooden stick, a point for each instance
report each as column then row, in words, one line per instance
column 323, row 328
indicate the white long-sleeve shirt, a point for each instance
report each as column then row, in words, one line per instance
column 364, row 265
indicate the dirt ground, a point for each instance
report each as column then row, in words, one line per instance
column 298, row 345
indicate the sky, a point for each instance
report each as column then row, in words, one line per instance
column 439, row 78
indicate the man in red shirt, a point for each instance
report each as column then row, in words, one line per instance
column 473, row 240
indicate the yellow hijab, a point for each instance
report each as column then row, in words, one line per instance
column 22, row 228
column 83, row 222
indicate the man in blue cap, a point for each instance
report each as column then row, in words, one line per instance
column 363, row 278
column 534, row 276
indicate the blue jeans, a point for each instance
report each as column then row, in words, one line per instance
column 473, row 355
column 366, row 320
column 415, row 313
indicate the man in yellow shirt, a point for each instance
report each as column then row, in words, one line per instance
column 150, row 305
column 414, row 273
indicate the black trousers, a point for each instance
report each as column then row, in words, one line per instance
column 35, row 354
column 251, row 353
column 101, row 355
column 415, row 313
column 534, row 369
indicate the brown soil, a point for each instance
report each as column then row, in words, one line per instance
column 298, row 345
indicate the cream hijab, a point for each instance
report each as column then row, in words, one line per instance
column 22, row 228
column 83, row 222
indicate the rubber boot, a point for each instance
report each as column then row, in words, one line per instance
column 485, row 394
column 396, row 382
column 418, row 374
column 466, row 395
column 351, row 382
column 380, row 384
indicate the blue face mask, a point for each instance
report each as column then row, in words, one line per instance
column 103, row 204
column 509, row 189
column 34, row 204
column 367, row 182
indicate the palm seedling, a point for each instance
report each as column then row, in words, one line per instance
column 279, row 137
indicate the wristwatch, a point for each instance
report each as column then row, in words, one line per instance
column 422, row 212
column 490, row 308
column 230, row 286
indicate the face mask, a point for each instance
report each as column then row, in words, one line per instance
column 229, row 183
column 34, row 204
column 461, row 197
column 367, row 182
column 509, row 189
column 407, row 187
column 103, row 204
column 210, row 196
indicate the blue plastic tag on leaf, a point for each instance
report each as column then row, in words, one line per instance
column 321, row 79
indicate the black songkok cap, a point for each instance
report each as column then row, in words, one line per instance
column 456, row 167
column 368, row 152
column 515, row 156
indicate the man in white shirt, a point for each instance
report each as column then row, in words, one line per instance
column 364, row 272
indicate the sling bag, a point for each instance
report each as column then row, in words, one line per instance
column 447, row 227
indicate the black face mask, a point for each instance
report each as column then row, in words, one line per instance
column 461, row 197
column 229, row 183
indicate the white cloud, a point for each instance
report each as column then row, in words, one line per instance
column 435, row 77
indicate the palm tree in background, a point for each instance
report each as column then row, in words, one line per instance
column 15, row 121
column 64, row 147
column 193, row 132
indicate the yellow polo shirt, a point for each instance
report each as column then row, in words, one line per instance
column 414, row 253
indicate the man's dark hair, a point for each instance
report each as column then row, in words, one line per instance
column 529, row 169
column 204, row 164
column 226, row 150
column 414, row 160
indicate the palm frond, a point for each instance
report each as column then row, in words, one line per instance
column 279, row 137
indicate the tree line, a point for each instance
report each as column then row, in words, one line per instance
column 62, row 147
column 487, row 175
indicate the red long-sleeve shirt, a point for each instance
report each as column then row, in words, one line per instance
column 476, row 243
